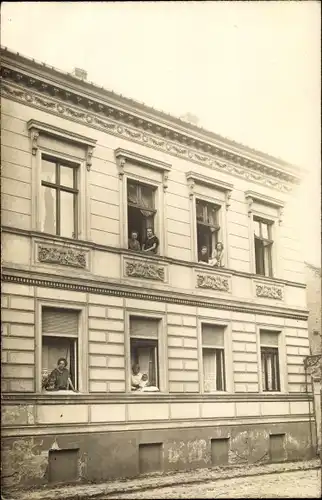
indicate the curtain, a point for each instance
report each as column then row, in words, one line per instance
column 132, row 194
column 209, row 369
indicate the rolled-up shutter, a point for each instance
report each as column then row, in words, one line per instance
column 142, row 327
column 59, row 322
column 213, row 335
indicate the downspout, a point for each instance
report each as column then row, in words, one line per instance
column 309, row 403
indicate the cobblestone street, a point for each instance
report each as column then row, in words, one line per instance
column 299, row 484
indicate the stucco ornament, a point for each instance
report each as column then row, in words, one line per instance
column 269, row 292
column 213, row 282
column 62, row 256
column 313, row 365
column 137, row 269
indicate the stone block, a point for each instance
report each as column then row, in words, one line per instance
column 97, row 386
column 191, row 387
column 24, row 358
column 176, row 387
column 178, row 376
column 115, row 374
column 97, row 312
column 247, row 409
column 98, row 374
column 22, row 330
column 183, row 353
column 105, row 300
column 117, row 338
column 278, row 408
column 21, row 385
column 117, row 386
column 175, row 364
column 184, row 410
column 22, row 303
column 98, row 361
column 217, row 410
column 116, row 362
column 97, row 324
column 62, row 414
column 191, row 342
column 114, row 313
column 175, row 342
column 96, row 336
column 65, row 295
column 11, row 316
column 300, row 407
column 189, row 321
column 174, row 319
column 107, row 413
column 191, row 364
column 148, row 411
column 97, row 348
column 13, row 371
column 18, row 344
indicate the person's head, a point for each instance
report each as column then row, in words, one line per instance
column 144, row 377
column 204, row 250
column 219, row 246
column 134, row 235
column 135, row 368
column 149, row 232
column 62, row 363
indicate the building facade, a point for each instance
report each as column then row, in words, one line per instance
column 220, row 331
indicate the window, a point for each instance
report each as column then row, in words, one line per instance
column 207, row 226
column 270, row 361
column 263, row 246
column 144, row 346
column 59, row 195
column 140, row 210
column 59, row 340
column 213, row 358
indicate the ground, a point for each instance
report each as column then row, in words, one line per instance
column 275, row 480
column 299, row 484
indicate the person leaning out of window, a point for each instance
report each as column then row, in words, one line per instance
column 134, row 243
column 151, row 243
column 59, row 379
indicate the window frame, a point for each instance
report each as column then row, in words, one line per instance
column 159, row 229
column 228, row 358
column 268, row 241
column 153, row 211
column 82, row 344
column 162, row 372
column 222, row 223
column 282, row 357
column 217, row 228
column 59, row 187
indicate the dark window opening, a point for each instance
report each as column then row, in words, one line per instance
column 59, row 197
column 263, row 247
column 270, row 369
column 150, row 457
column 63, row 465
column 144, row 347
column 140, row 212
column 207, row 228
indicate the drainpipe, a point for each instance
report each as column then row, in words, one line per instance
column 309, row 403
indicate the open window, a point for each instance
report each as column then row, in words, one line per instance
column 270, row 361
column 144, row 347
column 213, row 358
column 141, row 211
column 59, row 197
column 263, row 246
column 59, row 340
column 208, row 227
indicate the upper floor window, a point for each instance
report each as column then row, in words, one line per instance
column 141, row 215
column 270, row 361
column 59, row 196
column 208, row 228
column 263, row 246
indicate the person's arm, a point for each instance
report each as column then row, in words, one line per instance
column 151, row 248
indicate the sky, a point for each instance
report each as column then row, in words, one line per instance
column 248, row 70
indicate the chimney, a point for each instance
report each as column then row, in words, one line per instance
column 80, row 73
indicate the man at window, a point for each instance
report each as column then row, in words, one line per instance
column 151, row 243
column 134, row 243
column 59, row 379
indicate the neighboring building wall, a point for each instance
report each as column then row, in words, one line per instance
column 105, row 427
column 313, row 290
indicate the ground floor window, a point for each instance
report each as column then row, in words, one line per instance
column 144, row 347
column 213, row 358
column 60, row 363
column 270, row 361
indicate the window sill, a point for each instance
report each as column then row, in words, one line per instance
column 61, row 393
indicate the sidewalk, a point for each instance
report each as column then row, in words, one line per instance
column 88, row 491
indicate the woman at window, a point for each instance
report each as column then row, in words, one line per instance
column 217, row 255
column 203, row 254
column 151, row 243
column 134, row 243
column 59, row 379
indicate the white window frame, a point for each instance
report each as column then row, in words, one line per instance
column 275, row 222
column 82, row 354
column 82, row 163
column 196, row 183
column 228, row 357
column 157, row 222
column 282, row 358
column 162, row 358
column 126, row 162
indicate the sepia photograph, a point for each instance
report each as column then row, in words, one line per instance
column 160, row 250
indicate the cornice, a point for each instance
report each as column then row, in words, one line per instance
column 82, row 244
column 112, row 289
column 95, row 109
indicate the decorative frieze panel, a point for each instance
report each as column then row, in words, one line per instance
column 269, row 291
column 213, row 282
column 63, row 256
column 145, row 270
